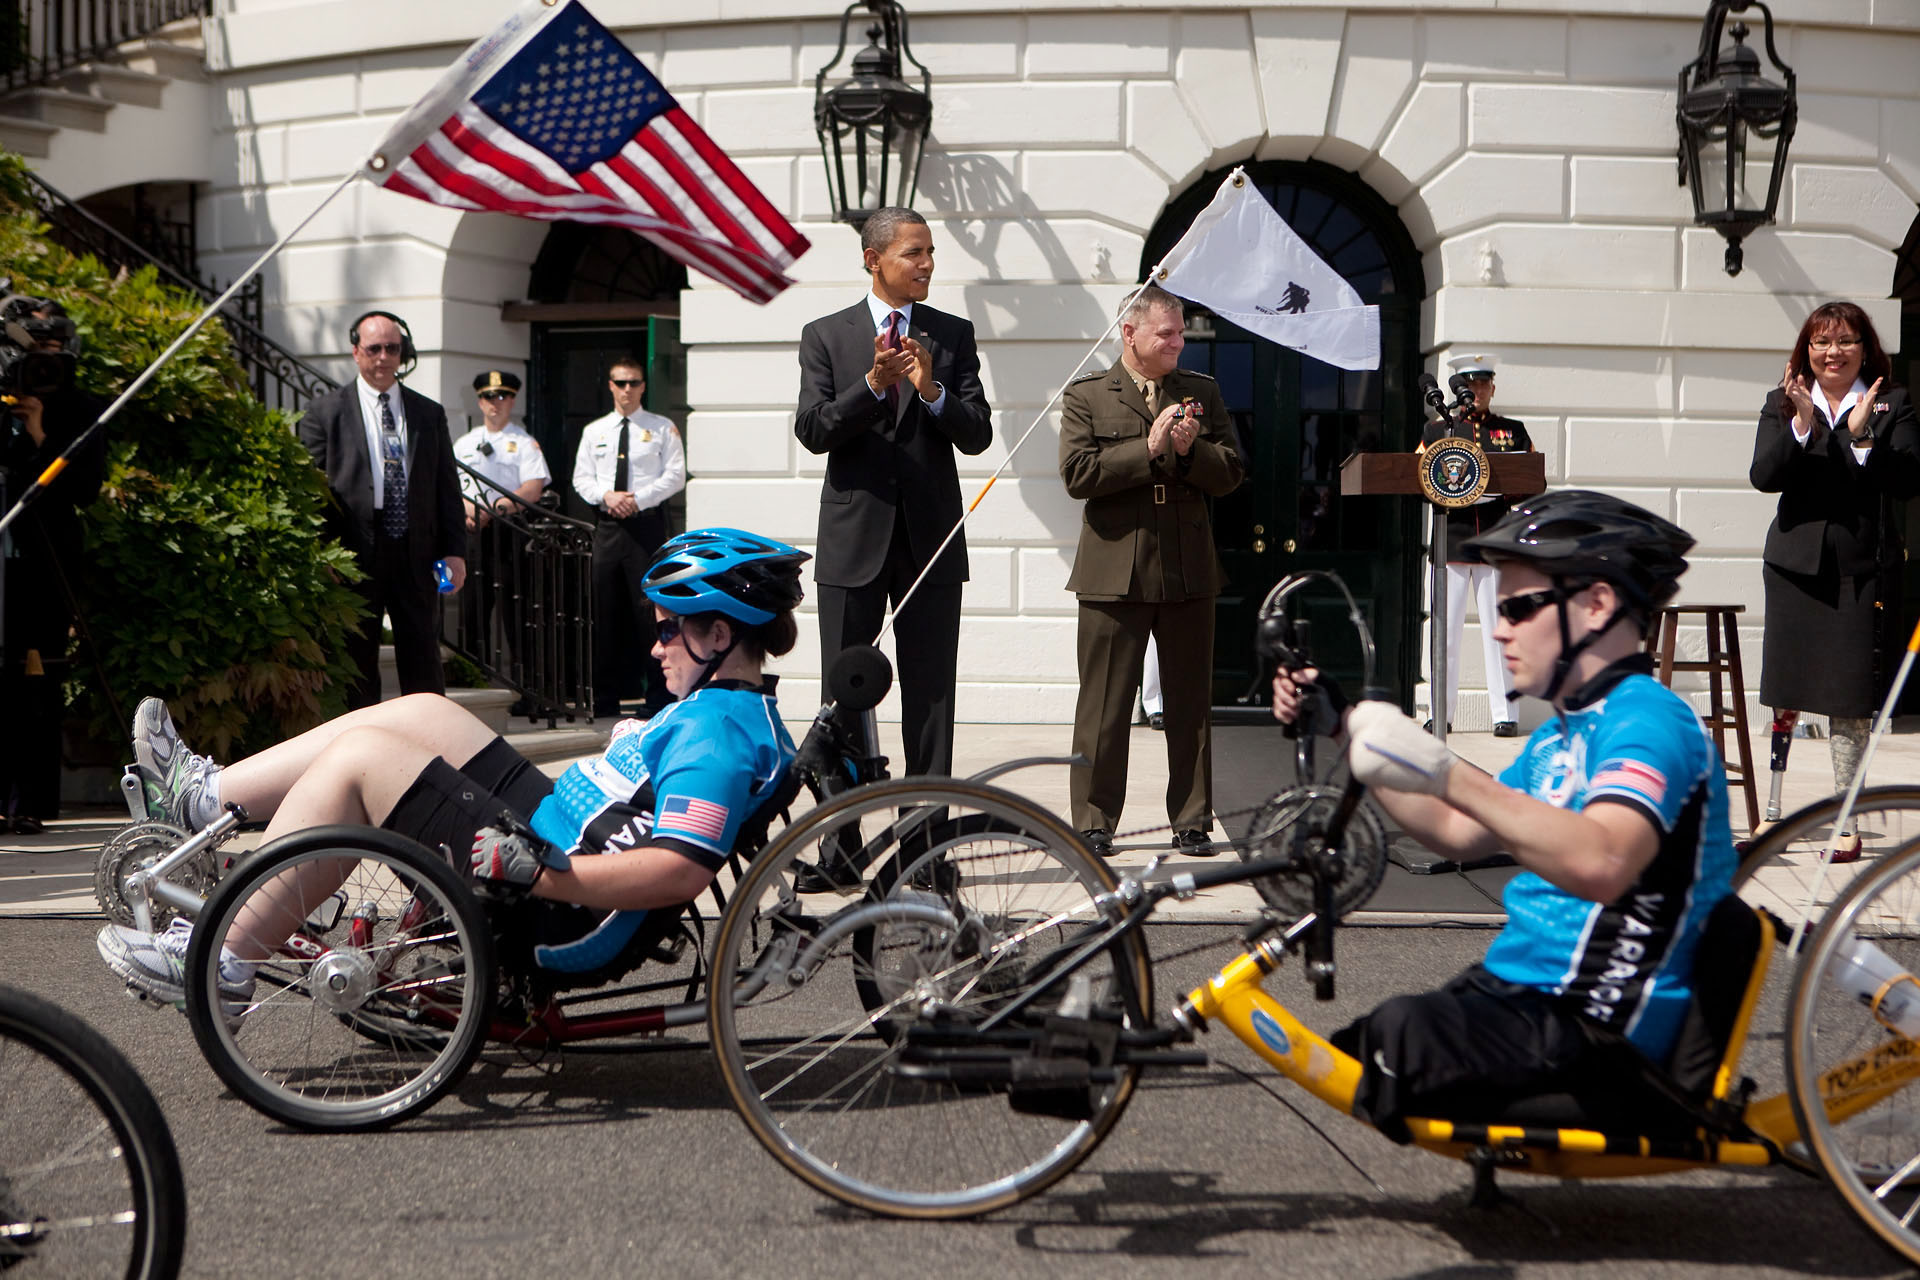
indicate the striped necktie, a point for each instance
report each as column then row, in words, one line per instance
column 393, row 473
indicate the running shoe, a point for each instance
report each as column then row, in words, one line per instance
column 174, row 778
column 156, row 963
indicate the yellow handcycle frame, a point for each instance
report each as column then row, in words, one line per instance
column 1236, row 999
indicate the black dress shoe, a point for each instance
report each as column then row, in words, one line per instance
column 1426, row 726
column 1157, row 720
column 1194, row 843
column 837, row 871
column 1505, row 729
column 1100, row 840
column 33, row 826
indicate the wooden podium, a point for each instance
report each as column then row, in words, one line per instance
column 1509, row 475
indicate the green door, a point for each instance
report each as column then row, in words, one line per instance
column 569, row 390
column 1297, row 420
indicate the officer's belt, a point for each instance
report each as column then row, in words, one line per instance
column 1175, row 492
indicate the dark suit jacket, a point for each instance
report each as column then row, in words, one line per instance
column 336, row 436
column 1146, row 533
column 876, row 466
column 1828, row 500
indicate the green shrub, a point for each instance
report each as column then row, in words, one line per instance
column 208, row 578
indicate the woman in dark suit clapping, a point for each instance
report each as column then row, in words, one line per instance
column 1836, row 441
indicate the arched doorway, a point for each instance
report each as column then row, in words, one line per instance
column 598, row 293
column 1299, row 418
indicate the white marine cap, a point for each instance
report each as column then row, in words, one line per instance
column 1471, row 365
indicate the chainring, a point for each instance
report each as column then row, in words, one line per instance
column 1294, row 822
column 142, row 844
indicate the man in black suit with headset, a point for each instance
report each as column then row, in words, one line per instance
column 389, row 461
column 889, row 388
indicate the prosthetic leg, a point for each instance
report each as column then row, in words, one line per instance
column 1783, row 722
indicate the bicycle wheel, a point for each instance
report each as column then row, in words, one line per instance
column 1851, row 1052
column 364, row 933
column 90, row 1183
column 1782, row 871
column 857, row 1035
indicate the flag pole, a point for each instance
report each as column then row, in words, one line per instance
column 886, row 626
column 59, row 464
column 1853, row 790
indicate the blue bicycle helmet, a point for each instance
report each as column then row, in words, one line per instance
column 749, row 578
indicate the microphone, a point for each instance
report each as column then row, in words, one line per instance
column 1430, row 392
column 1462, row 388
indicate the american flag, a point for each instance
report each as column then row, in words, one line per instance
column 1635, row 776
column 551, row 117
column 691, row 816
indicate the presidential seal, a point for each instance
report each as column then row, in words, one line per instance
column 1453, row 472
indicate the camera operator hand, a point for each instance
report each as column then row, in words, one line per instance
column 30, row 412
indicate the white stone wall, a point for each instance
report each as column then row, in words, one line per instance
column 1531, row 156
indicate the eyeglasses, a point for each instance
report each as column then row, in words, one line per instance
column 1517, row 609
column 383, row 348
column 626, row 384
column 498, row 395
column 1834, row 344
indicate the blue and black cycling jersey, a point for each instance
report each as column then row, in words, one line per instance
column 1625, row 965
column 685, row 781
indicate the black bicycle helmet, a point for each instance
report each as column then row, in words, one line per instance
column 1580, row 534
column 749, row 578
column 1578, row 537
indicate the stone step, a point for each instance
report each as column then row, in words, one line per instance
column 543, row 746
column 172, row 58
column 113, row 83
column 61, row 108
column 30, row 138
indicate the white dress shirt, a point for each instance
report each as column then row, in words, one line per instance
column 370, row 418
column 515, row 458
column 1836, row 418
column 656, row 460
column 880, row 309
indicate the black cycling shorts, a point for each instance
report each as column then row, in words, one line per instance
column 445, row 806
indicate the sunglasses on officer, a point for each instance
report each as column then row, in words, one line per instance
column 498, row 395
column 627, row 384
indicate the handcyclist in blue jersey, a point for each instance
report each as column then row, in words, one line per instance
column 644, row 824
column 1616, row 810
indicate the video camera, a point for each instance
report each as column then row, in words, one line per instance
column 25, row 368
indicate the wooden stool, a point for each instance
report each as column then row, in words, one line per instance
column 1723, row 656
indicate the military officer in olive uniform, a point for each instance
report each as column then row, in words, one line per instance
column 1144, row 445
column 1494, row 434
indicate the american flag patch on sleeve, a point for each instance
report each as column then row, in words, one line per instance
column 693, row 816
column 1635, row 776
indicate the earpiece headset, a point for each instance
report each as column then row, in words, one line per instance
column 409, row 356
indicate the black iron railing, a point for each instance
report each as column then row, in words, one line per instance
column 279, row 378
column 526, row 615
column 41, row 38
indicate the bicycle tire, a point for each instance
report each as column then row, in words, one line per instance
column 88, row 1171
column 1838, row 1049
column 309, row 1051
column 816, row 1059
column 1780, row 870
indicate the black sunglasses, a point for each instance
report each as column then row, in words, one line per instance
column 1517, row 609
column 667, row 628
column 498, row 395
column 627, row 383
column 383, row 348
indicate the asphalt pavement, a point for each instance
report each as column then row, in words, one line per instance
column 634, row 1163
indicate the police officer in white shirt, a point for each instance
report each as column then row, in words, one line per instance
column 629, row 463
column 501, row 450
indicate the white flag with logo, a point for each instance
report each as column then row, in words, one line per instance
column 1241, row 261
